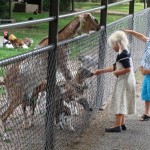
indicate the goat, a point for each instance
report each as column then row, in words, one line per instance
column 20, row 78
column 65, row 105
column 18, row 94
column 81, row 24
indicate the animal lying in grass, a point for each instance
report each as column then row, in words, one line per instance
column 16, row 43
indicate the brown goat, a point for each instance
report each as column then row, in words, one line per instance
column 82, row 24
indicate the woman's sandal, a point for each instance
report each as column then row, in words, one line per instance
column 145, row 118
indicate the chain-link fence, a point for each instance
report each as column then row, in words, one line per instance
column 27, row 120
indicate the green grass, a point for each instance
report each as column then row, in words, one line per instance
column 86, row 5
column 121, row 8
column 39, row 31
column 125, row 7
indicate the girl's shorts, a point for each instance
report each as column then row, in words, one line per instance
column 146, row 88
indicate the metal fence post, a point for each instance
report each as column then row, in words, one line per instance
column 131, row 11
column 148, row 3
column 131, row 7
column 145, row 5
column 103, row 15
column 101, row 55
column 51, row 78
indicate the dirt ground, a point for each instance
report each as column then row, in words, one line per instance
column 95, row 137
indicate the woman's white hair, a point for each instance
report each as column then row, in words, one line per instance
column 119, row 38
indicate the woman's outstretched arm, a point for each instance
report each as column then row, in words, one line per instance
column 136, row 34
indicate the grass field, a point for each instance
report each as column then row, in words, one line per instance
column 37, row 32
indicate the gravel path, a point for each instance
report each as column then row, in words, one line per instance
column 137, row 136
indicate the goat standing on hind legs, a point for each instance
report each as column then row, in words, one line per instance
column 81, row 24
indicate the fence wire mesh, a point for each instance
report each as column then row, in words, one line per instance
column 78, row 95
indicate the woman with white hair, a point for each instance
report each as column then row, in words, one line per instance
column 123, row 98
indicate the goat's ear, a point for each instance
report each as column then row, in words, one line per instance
column 79, row 29
column 88, row 16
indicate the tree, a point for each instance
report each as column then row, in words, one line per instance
column 5, row 9
column 148, row 3
column 64, row 5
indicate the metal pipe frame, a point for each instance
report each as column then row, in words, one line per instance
column 60, row 17
column 25, row 23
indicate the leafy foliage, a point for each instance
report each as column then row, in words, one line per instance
column 45, row 5
column 4, row 9
column 64, row 5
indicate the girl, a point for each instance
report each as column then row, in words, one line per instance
column 145, row 69
column 123, row 98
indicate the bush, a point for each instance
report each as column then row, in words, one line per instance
column 46, row 5
column 4, row 9
column 64, row 5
